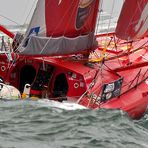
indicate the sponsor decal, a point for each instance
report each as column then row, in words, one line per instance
column 111, row 90
column 33, row 32
column 83, row 12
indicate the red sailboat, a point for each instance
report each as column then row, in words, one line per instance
column 62, row 59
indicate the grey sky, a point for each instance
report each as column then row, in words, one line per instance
column 18, row 10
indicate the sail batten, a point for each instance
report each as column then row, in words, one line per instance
column 64, row 20
column 133, row 20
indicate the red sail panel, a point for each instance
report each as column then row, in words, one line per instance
column 61, row 27
column 133, row 20
column 70, row 18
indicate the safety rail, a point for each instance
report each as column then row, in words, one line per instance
column 6, row 49
column 138, row 82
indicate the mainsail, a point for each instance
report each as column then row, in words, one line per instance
column 133, row 20
column 61, row 27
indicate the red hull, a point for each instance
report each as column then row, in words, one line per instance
column 82, row 81
column 135, row 103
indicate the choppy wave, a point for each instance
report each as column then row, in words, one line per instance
column 37, row 124
column 58, row 105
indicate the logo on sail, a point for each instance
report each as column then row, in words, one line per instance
column 33, row 32
column 83, row 12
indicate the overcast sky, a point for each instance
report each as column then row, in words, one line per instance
column 18, row 10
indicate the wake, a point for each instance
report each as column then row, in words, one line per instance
column 60, row 105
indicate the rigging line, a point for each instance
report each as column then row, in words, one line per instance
column 94, row 97
column 96, row 8
column 34, row 2
column 132, row 81
column 113, row 5
column 60, row 21
column 56, row 28
column 44, row 27
column 95, row 15
column 24, row 24
column 90, row 86
column 15, row 45
column 124, row 54
column 99, row 17
column 134, row 86
column 130, row 23
column 101, row 59
column 71, row 17
column 90, row 30
column 30, row 11
column 129, row 84
column 136, row 42
column 116, row 50
column 62, row 18
column 52, row 33
column 145, row 73
column 112, row 71
column 10, row 66
column 26, row 6
column 9, row 19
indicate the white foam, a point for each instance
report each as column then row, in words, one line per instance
column 61, row 105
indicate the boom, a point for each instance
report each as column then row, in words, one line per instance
column 7, row 32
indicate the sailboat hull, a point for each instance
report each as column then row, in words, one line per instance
column 134, row 103
column 62, row 79
column 60, row 57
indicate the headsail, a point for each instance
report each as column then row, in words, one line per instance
column 133, row 20
column 61, row 27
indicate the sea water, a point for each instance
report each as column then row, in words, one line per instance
column 49, row 124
